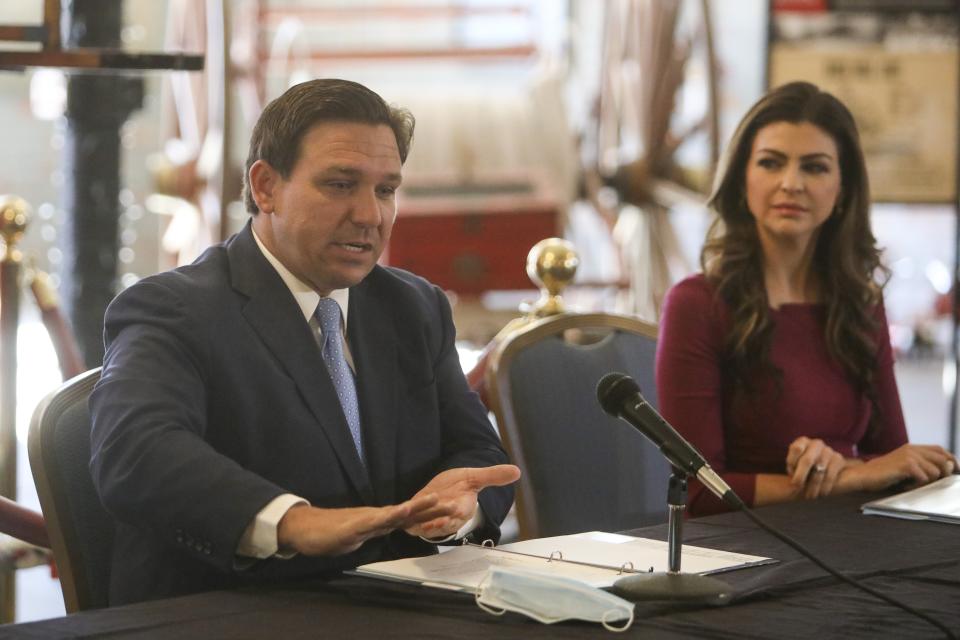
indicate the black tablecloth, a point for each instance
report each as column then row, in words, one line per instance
column 917, row 562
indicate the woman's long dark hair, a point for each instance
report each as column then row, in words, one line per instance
column 846, row 260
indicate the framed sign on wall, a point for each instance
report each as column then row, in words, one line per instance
column 897, row 70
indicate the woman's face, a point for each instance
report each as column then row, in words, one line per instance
column 793, row 181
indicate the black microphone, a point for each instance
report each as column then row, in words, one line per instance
column 619, row 395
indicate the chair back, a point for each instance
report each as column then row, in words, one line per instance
column 80, row 530
column 582, row 469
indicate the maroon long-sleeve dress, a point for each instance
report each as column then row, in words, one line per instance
column 742, row 435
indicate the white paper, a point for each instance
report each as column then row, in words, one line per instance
column 938, row 500
column 640, row 554
column 575, row 556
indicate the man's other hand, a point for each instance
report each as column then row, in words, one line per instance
column 456, row 491
column 314, row 531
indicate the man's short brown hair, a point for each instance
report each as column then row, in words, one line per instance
column 279, row 131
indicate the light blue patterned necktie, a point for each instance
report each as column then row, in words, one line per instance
column 328, row 314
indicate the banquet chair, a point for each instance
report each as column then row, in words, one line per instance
column 80, row 530
column 582, row 469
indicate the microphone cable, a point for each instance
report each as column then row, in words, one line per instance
column 735, row 500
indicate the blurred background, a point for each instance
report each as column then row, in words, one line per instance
column 596, row 121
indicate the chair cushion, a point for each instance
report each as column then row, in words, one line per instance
column 589, row 471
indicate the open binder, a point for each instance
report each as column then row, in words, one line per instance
column 938, row 501
column 596, row 558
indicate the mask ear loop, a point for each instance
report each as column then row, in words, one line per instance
column 610, row 627
column 491, row 610
column 486, row 607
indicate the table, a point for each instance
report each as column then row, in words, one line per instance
column 918, row 562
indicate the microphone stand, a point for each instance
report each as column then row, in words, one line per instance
column 672, row 584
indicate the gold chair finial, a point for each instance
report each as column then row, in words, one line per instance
column 551, row 265
column 15, row 213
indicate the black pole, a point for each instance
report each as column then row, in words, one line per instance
column 677, row 503
column 673, row 584
column 97, row 107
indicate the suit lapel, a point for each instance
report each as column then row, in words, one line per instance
column 373, row 344
column 273, row 313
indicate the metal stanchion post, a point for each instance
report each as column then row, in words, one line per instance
column 14, row 213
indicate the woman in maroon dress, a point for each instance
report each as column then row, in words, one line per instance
column 775, row 361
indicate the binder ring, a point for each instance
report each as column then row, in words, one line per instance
column 624, row 568
column 558, row 555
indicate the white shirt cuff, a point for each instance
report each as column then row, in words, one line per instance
column 260, row 538
column 473, row 523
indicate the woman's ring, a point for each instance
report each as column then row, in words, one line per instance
column 819, row 468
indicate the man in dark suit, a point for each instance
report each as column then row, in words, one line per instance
column 240, row 438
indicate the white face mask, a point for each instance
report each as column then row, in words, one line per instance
column 550, row 599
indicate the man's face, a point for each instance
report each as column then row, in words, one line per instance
column 329, row 221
